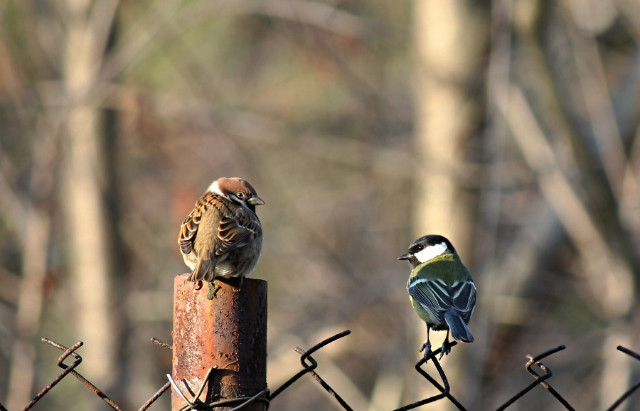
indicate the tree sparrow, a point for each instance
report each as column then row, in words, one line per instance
column 222, row 236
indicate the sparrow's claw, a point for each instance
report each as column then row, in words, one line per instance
column 213, row 290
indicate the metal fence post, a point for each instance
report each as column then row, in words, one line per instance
column 223, row 334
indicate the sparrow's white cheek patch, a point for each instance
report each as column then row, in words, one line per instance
column 215, row 188
column 431, row 252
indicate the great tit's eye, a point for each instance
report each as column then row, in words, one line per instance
column 417, row 248
column 240, row 195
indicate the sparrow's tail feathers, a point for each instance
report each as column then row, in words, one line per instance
column 457, row 327
column 203, row 271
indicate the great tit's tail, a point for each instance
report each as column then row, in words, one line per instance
column 457, row 327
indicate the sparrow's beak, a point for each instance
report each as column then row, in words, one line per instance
column 404, row 256
column 255, row 200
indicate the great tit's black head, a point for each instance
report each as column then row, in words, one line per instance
column 427, row 248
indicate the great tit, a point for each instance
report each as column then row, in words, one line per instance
column 440, row 288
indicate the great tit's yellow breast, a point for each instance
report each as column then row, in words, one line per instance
column 422, row 313
column 446, row 267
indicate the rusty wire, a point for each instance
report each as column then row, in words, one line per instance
column 306, row 355
column 70, row 369
column 310, row 366
column 197, row 404
column 536, row 361
column 539, row 380
column 66, row 369
column 80, row 378
column 161, row 343
column 162, row 389
column 634, row 387
column 444, row 390
column 155, row 396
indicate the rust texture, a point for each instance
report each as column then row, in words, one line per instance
column 222, row 334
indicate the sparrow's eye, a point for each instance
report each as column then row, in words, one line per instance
column 240, row 195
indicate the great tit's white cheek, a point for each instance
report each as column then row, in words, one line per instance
column 430, row 252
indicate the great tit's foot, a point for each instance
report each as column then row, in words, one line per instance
column 426, row 347
column 197, row 285
column 213, row 290
column 446, row 348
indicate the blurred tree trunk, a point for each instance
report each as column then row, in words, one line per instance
column 451, row 39
column 83, row 195
column 29, row 307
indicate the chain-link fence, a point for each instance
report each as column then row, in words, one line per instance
column 534, row 366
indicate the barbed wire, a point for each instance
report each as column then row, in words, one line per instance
column 309, row 366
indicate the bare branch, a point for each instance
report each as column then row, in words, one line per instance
column 614, row 292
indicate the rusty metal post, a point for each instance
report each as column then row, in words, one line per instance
column 221, row 333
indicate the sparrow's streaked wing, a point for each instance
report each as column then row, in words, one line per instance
column 237, row 230
column 188, row 231
column 189, row 228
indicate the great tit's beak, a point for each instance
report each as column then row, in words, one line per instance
column 255, row 200
column 404, row 256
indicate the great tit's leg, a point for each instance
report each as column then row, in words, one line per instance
column 426, row 346
column 446, row 346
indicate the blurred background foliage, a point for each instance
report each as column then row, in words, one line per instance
column 510, row 126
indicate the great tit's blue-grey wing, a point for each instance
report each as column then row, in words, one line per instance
column 436, row 296
column 463, row 298
column 430, row 296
